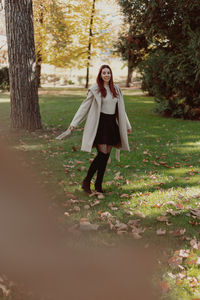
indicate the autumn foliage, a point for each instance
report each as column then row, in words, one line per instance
column 171, row 66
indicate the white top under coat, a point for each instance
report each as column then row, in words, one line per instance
column 109, row 102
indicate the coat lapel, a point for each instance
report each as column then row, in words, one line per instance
column 95, row 90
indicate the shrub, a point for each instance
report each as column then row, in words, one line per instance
column 4, row 79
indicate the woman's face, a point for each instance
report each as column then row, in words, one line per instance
column 106, row 75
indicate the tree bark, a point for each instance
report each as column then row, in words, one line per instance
column 130, row 71
column 89, row 44
column 38, row 67
column 129, row 76
column 39, row 46
column 25, row 113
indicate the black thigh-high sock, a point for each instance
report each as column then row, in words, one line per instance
column 101, row 170
column 93, row 167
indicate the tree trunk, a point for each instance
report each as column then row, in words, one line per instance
column 130, row 72
column 129, row 76
column 39, row 46
column 89, row 44
column 38, row 68
column 25, row 113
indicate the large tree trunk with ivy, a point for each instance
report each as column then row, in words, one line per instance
column 25, row 113
column 89, row 44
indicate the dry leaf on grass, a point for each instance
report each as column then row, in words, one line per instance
column 179, row 231
column 105, row 215
column 175, row 261
column 96, row 202
column 125, row 196
column 162, row 219
column 85, row 225
column 196, row 212
column 172, row 212
column 179, row 205
column 114, row 208
column 160, row 231
column 76, row 209
column 164, row 286
column 121, row 226
column 86, row 207
column 133, row 222
column 184, row 253
column 136, row 236
column 195, row 244
column 139, row 214
column 100, row 196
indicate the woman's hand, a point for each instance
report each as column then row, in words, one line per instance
column 71, row 128
column 128, row 131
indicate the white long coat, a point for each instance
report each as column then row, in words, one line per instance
column 91, row 107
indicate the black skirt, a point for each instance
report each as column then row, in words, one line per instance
column 108, row 131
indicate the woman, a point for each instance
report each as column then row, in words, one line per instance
column 106, row 126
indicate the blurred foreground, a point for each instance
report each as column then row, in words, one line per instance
column 35, row 252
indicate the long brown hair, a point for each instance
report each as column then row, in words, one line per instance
column 100, row 82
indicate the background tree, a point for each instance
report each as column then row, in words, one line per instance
column 53, row 34
column 171, row 70
column 131, row 44
column 22, row 67
column 90, row 42
column 62, row 31
column 92, row 36
column 132, row 47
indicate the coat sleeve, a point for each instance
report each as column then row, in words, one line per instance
column 127, row 120
column 83, row 110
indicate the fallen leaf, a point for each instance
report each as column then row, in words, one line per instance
column 179, row 231
column 96, row 202
column 86, row 206
column 133, row 222
column 196, row 212
column 195, row 244
column 121, row 226
column 193, row 281
column 75, row 148
column 87, row 226
column 179, row 205
column 76, row 209
column 160, row 231
column 164, row 285
column 114, row 208
column 112, row 227
column 100, row 196
column 139, row 214
column 124, row 196
column 172, row 212
column 184, row 253
column 137, row 230
column 105, row 215
column 174, row 261
column 162, row 219
column 158, row 205
column 136, row 236
column 120, row 232
column 78, row 162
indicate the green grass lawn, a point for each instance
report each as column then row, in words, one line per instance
column 156, row 185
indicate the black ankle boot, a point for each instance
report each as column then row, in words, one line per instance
column 98, row 188
column 86, row 185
